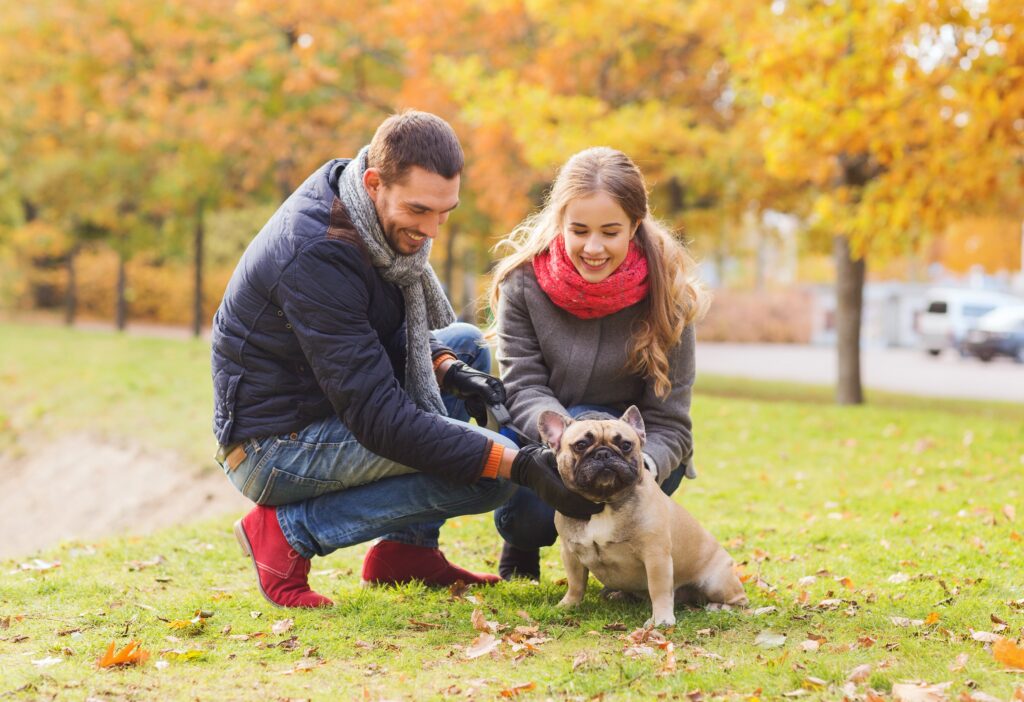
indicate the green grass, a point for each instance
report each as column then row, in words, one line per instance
column 155, row 392
column 794, row 487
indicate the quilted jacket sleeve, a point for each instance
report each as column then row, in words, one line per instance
column 521, row 360
column 323, row 292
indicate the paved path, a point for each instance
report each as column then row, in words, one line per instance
column 897, row 370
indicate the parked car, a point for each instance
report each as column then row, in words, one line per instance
column 998, row 333
column 951, row 313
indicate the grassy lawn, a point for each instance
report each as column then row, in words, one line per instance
column 881, row 543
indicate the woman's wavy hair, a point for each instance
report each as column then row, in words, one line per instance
column 675, row 297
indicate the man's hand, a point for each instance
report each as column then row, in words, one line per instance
column 476, row 389
column 534, row 467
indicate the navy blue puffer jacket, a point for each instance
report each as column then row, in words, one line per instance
column 308, row 327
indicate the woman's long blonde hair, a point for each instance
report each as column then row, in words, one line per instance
column 675, row 298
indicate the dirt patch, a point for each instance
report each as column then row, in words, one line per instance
column 80, row 488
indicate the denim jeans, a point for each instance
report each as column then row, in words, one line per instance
column 331, row 492
column 526, row 522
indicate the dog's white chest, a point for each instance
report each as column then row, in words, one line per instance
column 602, row 529
column 601, row 548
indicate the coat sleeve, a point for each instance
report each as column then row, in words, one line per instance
column 520, row 359
column 667, row 421
column 325, row 298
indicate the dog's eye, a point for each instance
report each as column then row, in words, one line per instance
column 581, row 445
column 626, row 446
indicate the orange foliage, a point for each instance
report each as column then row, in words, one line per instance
column 990, row 242
column 131, row 654
column 1008, row 653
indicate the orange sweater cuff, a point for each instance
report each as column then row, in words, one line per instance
column 493, row 461
column 442, row 358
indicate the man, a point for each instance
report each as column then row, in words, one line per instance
column 328, row 383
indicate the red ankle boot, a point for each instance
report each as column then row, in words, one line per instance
column 390, row 562
column 281, row 572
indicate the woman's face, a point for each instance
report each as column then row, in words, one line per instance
column 597, row 234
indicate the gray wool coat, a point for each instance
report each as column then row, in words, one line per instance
column 550, row 360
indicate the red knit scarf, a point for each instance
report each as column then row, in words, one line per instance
column 558, row 277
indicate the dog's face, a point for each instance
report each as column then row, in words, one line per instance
column 599, row 459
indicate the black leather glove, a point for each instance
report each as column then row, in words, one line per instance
column 476, row 389
column 535, row 467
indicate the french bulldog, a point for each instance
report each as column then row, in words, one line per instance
column 643, row 542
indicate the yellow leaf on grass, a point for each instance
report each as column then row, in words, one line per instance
column 931, row 618
column 131, row 654
column 1008, row 653
column 847, row 583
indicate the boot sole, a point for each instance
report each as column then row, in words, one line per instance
column 243, row 541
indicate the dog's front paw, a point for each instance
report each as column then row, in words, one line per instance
column 665, row 621
column 569, row 602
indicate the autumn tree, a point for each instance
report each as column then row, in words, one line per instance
column 899, row 115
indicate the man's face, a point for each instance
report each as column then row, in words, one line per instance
column 412, row 210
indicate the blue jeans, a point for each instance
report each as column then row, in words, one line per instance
column 526, row 522
column 331, row 491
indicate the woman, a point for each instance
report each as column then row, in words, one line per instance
column 595, row 306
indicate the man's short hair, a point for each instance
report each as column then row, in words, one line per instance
column 414, row 138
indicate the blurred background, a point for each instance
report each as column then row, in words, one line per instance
column 828, row 162
column 850, row 173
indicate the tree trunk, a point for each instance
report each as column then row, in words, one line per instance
column 71, row 291
column 121, row 307
column 197, row 306
column 849, row 304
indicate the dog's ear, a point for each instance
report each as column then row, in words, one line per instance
column 550, row 426
column 632, row 418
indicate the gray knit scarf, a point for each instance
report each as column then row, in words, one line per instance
column 426, row 306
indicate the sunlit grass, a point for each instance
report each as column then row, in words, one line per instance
column 898, row 511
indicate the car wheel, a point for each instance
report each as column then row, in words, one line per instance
column 934, row 352
column 985, row 356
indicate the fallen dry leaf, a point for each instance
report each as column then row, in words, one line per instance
column 931, row 618
column 518, row 689
column 282, row 625
column 860, row 673
column 769, row 639
column 920, row 692
column 482, row 645
column 809, row 645
column 904, row 621
column 959, row 664
column 47, row 662
column 131, row 654
column 977, row 696
column 304, row 666
column 39, row 564
column 668, row 666
column 1008, row 653
column 985, row 636
column 417, row 624
column 847, row 583
column 1009, row 512
column 480, row 623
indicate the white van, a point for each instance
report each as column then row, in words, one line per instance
column 950, row 313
